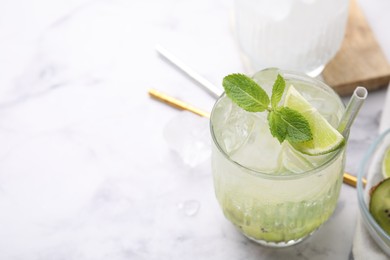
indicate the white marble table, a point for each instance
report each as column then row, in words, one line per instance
column 85, row 170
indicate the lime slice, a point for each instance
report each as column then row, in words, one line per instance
column 386, row 164
column 326, row 139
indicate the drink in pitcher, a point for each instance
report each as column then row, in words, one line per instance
column 298, row 35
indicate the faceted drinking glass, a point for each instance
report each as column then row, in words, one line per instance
column 265, row 189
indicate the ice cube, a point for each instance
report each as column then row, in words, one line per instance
column 189, row 207
column 324, row 106
column 293, row 161
column 261, row 151
column 296, row 162
column 232, row 125
column 189, row 136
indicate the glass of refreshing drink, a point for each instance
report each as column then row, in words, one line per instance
column 274, row 185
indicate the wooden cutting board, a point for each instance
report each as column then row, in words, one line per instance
column 360, row 60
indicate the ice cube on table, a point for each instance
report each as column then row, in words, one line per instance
column 189, row 207
column 189, row 136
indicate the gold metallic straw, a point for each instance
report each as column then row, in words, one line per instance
column 347, row 178
column 352, row 180
column 176, row 103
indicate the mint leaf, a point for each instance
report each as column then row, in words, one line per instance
column 245, row 92
column 277, row 91
column 277, row 126
column 284, row 122
column 298, row 128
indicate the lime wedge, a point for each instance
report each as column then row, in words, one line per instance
column 386, row 164
column 326, row 139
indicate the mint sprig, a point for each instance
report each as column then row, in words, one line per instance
column 245, row 93
column 284, row 123
column 277, row 91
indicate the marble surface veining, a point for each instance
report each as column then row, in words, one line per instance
column 85, row 168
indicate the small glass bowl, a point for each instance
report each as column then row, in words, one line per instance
column 371, row 169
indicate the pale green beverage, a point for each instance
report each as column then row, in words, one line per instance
column 272, row 193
